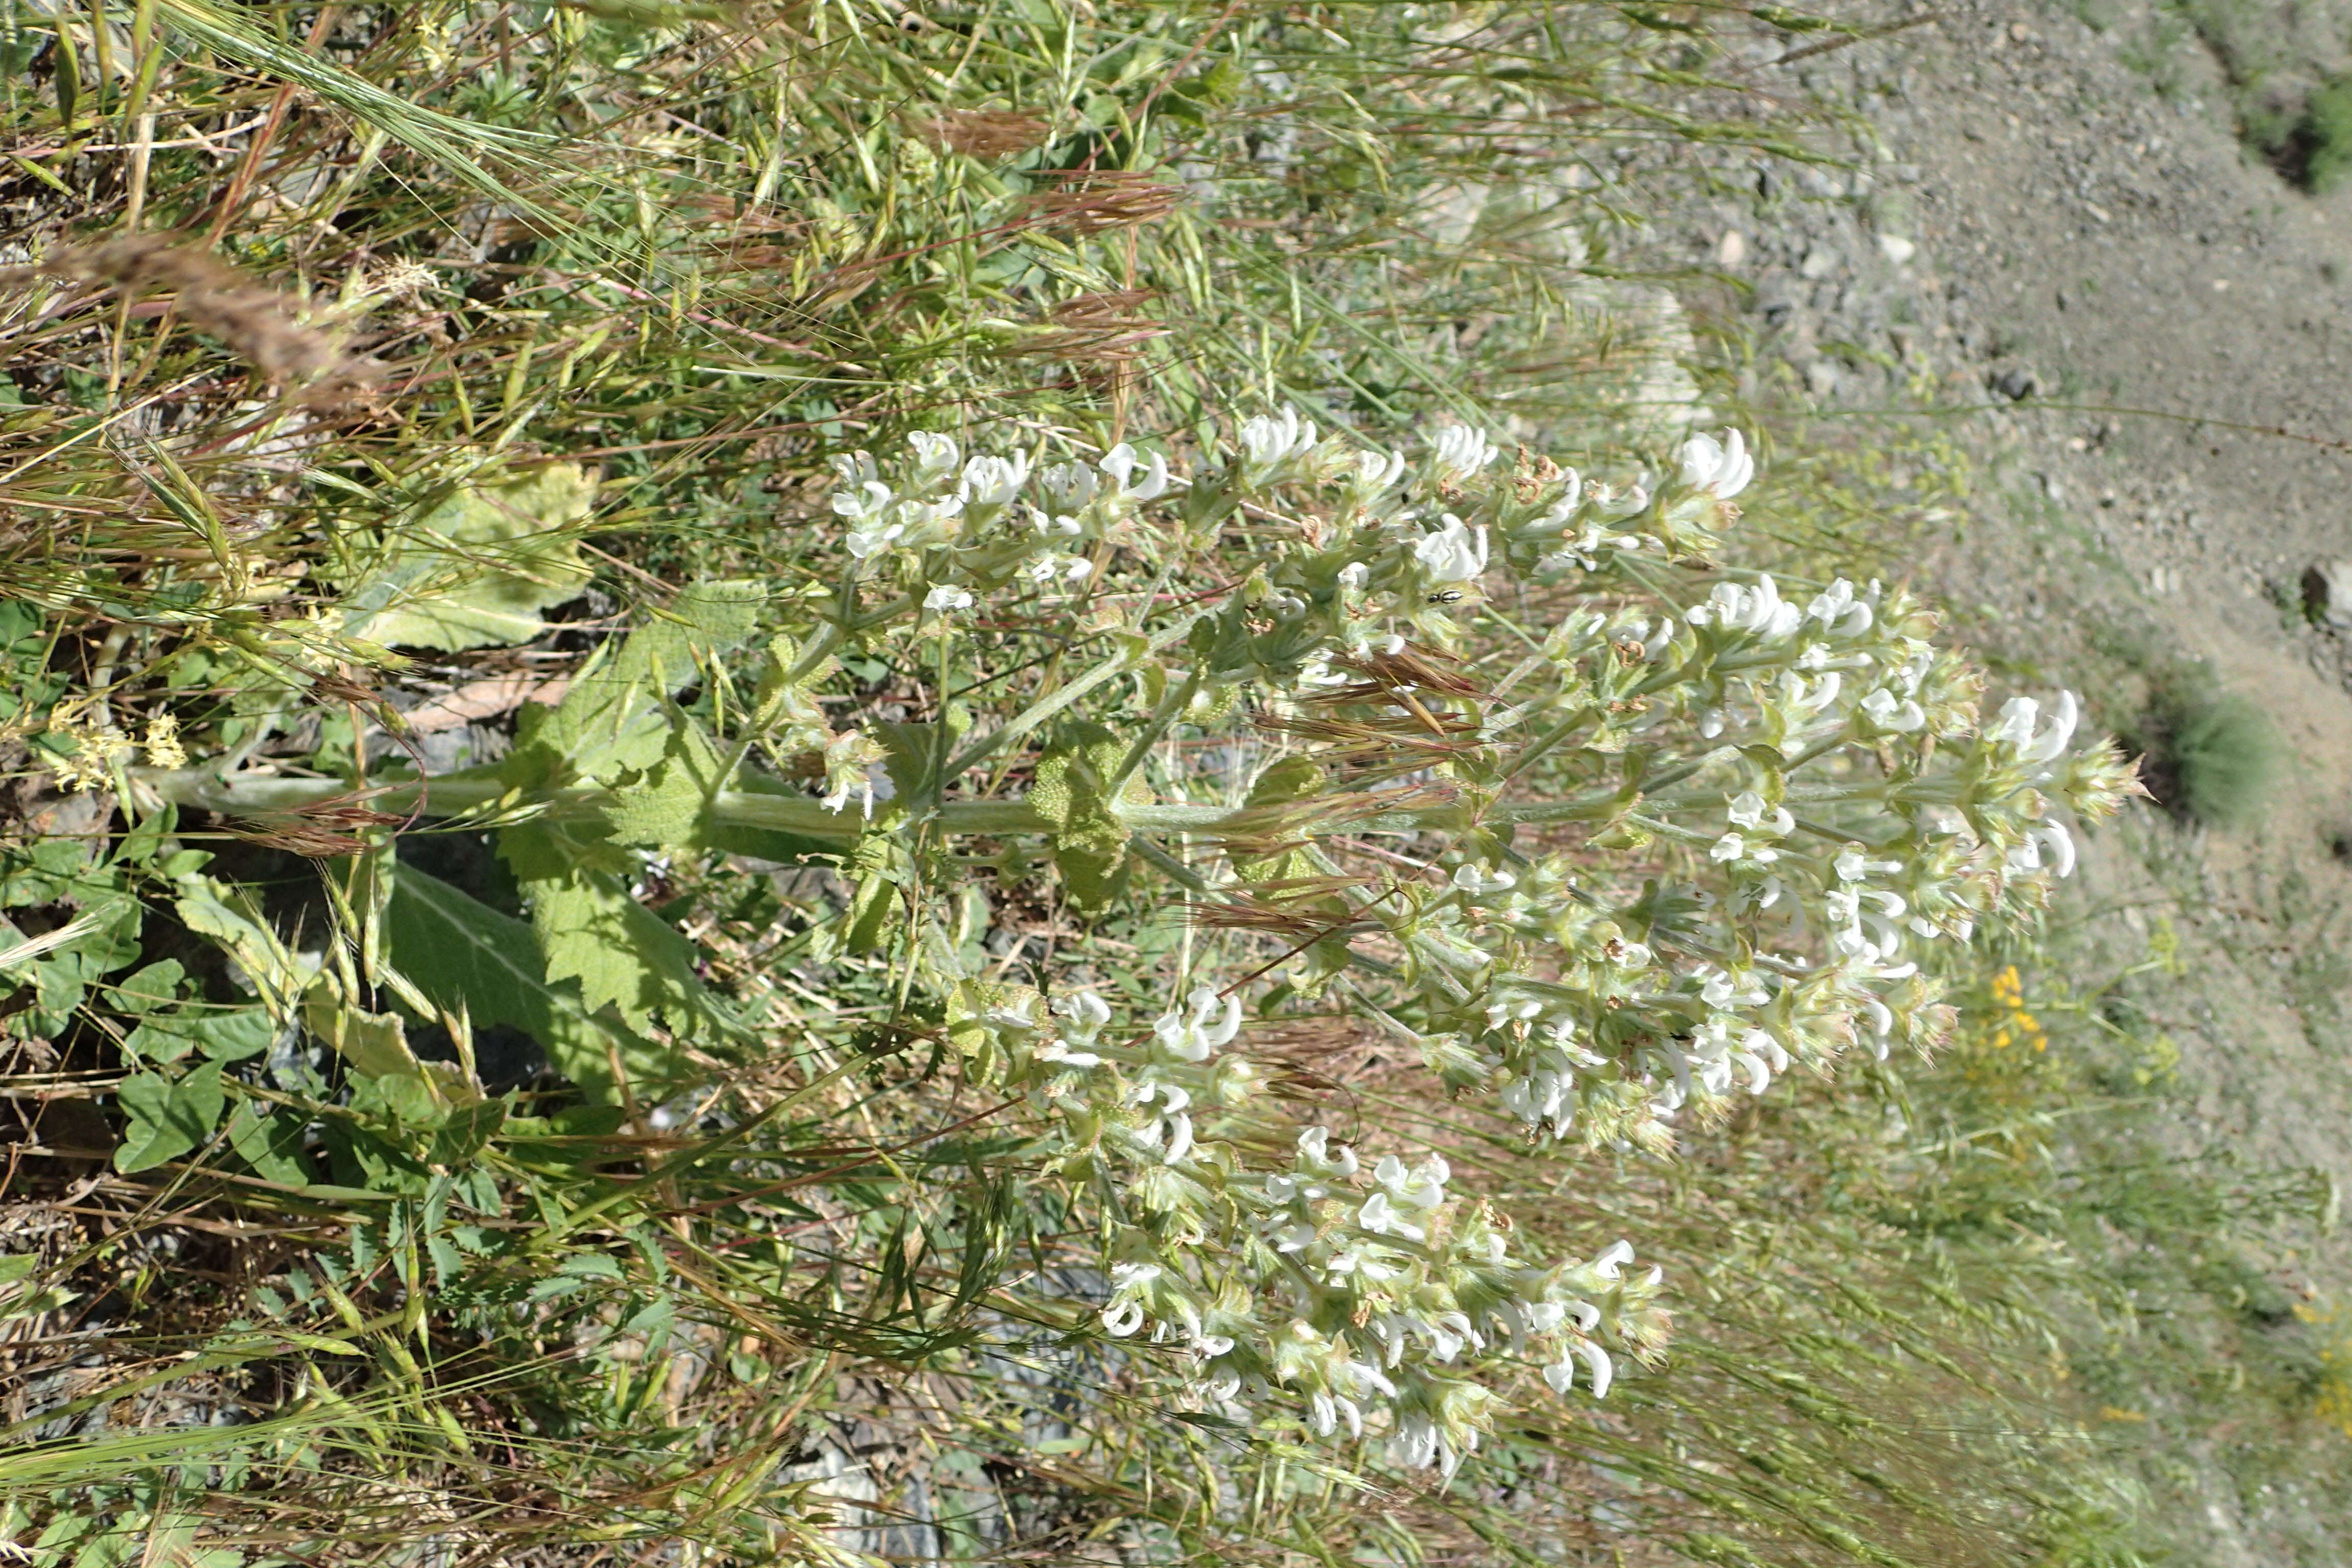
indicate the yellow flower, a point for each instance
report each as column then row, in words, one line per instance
column 163, row 748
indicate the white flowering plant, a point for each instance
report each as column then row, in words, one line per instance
column 1490, row 758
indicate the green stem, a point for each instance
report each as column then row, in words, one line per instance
column 789, row 814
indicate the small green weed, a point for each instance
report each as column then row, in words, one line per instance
column 2213, row 757
column 2321, row 145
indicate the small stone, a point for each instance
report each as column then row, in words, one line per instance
column 1731, row 249
column 1896, row 248
column 1821, row 377
column 2017, row 386
column 2327, row 593
column 1818, row 262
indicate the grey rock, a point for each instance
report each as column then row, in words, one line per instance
column 2017, row 386
column 2327, row 593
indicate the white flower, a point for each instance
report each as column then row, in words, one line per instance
column 870, row 539
column 2062, row 847
column 943, row 599
column 1722, row 467
column 936, row 458
column 1886, row 710
column 1379, row 1217
column 1424, row 1186
column 1633, row 499
column 1839, row 610
column 865, row 503
column 1619, row 1251
column 994, row 481
column 925, row 517
column 1477, row 881
column 1267, row 443
column 853, row 766
column 1596, row 1362
column 1118, row 464
column 1747, row 810
column 2014, row 728
column 1456, row 553
column 1756, row 609
column 1563, row 509
column 855, row 467
column 1086, row 1011
column 1060, row 1055
column 1416, row 1443
column 1462, row 451
column 1122, row 1319
column 1730, row 847
column 1354, row 576
column 1314, row 1154
column 1195, row 1038
column 1068, row 488
column 2027, row 857
column 1050, row 568
column 1375, row 472
column 1014, row 1017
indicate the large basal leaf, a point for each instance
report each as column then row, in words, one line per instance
column 460, row 950
column 479, row 569
column 622, row 955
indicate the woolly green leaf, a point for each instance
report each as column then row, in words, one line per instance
column 276, row 972
column 614, row 716
column 477, row 569
column 671, row 807
column 1071, row 791
column 622, row 953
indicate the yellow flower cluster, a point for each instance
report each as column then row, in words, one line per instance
column 90, row 749
column 2014, row 1025
column 2332, row 1400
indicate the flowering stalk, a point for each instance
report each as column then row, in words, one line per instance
column 1691, row 832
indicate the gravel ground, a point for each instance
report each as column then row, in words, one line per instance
column 2049, row 240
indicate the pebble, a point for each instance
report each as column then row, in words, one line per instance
column 1896, row 248
column 2327, row 589
column 1731, row 249
column 1818, row 262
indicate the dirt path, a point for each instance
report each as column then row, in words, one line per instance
column 2150, row 334
column 2098, row 284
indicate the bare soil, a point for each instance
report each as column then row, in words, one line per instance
column 2053, row 241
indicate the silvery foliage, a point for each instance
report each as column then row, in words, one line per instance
column 1701, row 833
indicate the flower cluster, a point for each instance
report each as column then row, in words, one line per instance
column 953, row 529
column 1611, row 871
